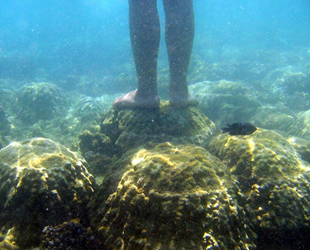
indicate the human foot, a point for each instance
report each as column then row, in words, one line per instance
column 132, row 100
column 180, row 102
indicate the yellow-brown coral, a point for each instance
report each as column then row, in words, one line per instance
column 41, row 183
column 271, row 175
column 169, row 196
column 132, row 128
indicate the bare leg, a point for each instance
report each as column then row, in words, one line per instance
column 180, row 27
column 145, row 36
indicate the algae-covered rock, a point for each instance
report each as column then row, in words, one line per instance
column 302, row 146
column 279, row 118
column 95, row 142
column 290, row 86
column 40, row 101
column 226, row 101
column 97, row 149
column 132, row 128
column 273, row 178
column 168, row 196
column 301, row 127
column 41, row 183
column 69, row 236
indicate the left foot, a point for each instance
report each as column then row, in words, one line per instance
column 179, row 102
column 133, row 100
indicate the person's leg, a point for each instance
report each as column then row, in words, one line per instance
column 145, row 36
column 180, row 27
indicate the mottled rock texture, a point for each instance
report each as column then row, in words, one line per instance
column 272, row 177
column 41, row 183
column 301, row 127
column 40, row 101
column 132, row 128
column 167, row 196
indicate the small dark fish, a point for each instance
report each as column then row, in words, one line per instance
column 239, row 128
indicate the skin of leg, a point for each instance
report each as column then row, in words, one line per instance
column 145, row 36
column 179, row 32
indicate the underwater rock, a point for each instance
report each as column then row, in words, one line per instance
column 272, row 177
column 226, row 101
column 90, row 109
column 42, row 183
column 95, row 142
column 302, row 146
column 301, row 127
column 69, row 235
column 168, row 196
column 240, row 128
column 278, row 117
column 290, row 86
column 131, row 128
column 7, row 95
column 40, row 101
column 97, row 149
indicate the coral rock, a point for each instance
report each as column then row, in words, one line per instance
column 273, row 178
column 40, row 101
column 169, row 196
column 301, row 127
column 132, row 128
column 41, row 183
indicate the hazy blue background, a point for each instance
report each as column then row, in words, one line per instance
column 87, row 37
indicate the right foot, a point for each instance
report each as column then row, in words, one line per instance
column 180, row 102
column 132, row 100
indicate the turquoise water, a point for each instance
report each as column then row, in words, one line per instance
column 90, row 37
column 62, row 64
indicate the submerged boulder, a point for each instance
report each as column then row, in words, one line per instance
column 272, row 177
column 278, row 117
column 122, row 130
column 40, row 101
column 226, row 101
column 289, row 86
column 302, row 146
column 132, row 128
column 170, row 196
column 301, row 127
column 41, row 183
